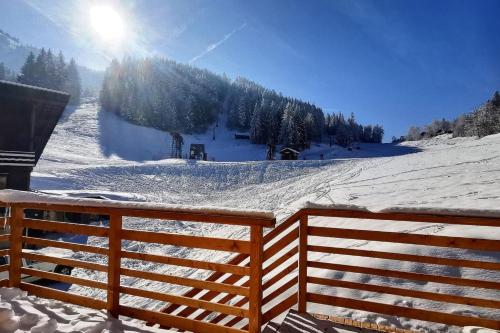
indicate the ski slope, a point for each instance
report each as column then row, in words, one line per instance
column 92, row 152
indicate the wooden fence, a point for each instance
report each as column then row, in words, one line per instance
column 115, row 233
column 269, row 273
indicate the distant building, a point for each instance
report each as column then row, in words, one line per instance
column 197, row 152
column 28, row 116
column 241, row 136
column 289, row 154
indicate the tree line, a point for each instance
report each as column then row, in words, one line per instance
column 52, row 72
column 483, row 121
column 179, row 98
column 6, row 74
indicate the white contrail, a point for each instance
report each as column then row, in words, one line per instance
column 215, row 45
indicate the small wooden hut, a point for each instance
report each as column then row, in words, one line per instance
column 288, row 153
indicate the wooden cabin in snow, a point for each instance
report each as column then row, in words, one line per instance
column 289, row 154
column 28, row 116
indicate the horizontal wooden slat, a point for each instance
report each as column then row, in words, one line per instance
column 282, row 259
column 405, row 238
column 4, row 268
column 237, row 218
column 224, row 268
column 202, row 284
column 281, row 244
column 63, row 296
column 279, row 308
column 64, row 227
column 407, row 257
column 4, row 252
column 63, row 278
column 4, row 238
column 439, row 297
column 65, row 261
column 407, row 275
column 175, row 321
column 473, row 219
column 65, row 245
column 4, row 283
column 181, row 300
column 394, row 310
column 218, row 244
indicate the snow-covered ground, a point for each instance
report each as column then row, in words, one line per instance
column 92, row 152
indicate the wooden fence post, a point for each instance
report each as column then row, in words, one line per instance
column 256, row 262
column 16, row 245
column 114, row 264
column 302, row 296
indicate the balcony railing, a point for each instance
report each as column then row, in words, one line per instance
column 270, row 273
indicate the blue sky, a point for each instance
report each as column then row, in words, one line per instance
column 395, row 62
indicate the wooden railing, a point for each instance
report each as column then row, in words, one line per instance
column 291, row 272
column 115, row 232
column 271, row 273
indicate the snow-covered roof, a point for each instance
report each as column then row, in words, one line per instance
column 290, row 149
column 22, row 197
column 20, row 85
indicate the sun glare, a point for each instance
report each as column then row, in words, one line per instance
column 107, row 22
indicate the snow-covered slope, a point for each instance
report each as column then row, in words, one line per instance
column 92, row 152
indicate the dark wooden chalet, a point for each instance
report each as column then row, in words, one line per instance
column 289, row 154
column 28, row 116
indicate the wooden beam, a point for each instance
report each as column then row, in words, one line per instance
column 406, row 238
column 64, row 261
column 206, row 265
column 218, row 244
column 399, row 311
column 438, row 297
column 73, row 228
column 302, row 286
column 281, row 244
column 255, row 297
column 407, row 257
column 408, row 275
column 65, row 245
column 16, row 233
column 63, row 278
column 114, row 265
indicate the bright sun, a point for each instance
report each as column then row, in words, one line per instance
column 107, row 22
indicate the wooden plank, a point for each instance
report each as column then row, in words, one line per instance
column 218, row 244
column 5, row 252
column 399, row 311
column 233, row 321
column 279, row 308
column 302, row 285
column 279, row 291
column 4, row 283
column 63, row 296
column 64, row 261
column 114, row 265
column 168, row 320
column 282, row 227
column 4, row 268
column 206, row 265
column 408, row 275
column 439, row 297
column 281, row 244
column 281, row 260
column 183, row 281
column 16, row 233
column 473, row 219
column 237, row 218
column 255, row 297
column 221, row 308
column 4, row 238
column 65, row 245
column 407, row 257
column 65, row 227
column 63, row 278
column 406, row 238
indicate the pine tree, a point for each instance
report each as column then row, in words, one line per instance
column 27, row 75
column 73, row 84
column 2, row 71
